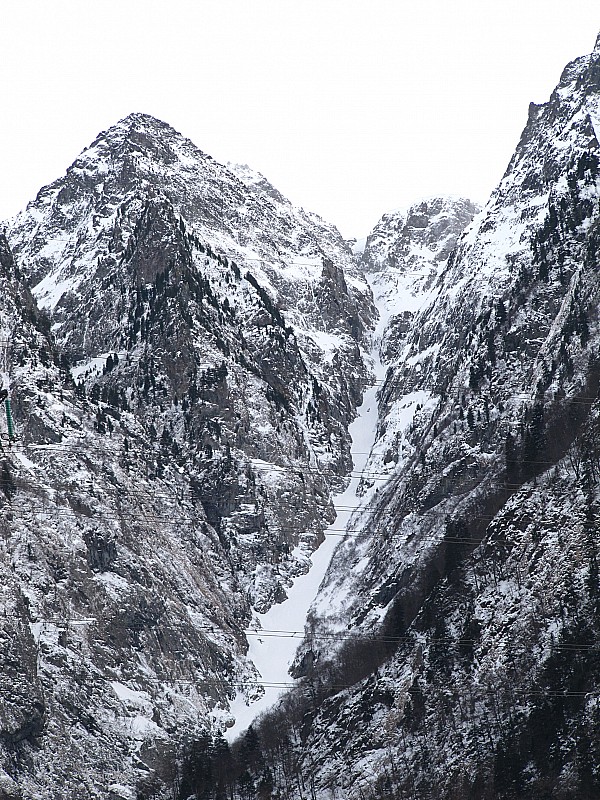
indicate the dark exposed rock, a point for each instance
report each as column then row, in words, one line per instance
column 177, row 479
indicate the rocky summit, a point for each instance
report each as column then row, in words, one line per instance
column 181, row 422
column 194, row 369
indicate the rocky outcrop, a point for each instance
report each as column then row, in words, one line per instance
column 450, row 652
column 174, row 480
column 182, row 411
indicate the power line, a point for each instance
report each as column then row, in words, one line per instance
column 316, row 685
column 163, row 518
column 51, row 510
column 149, row 495
column 193, row 496
column 72, row 449
column 308, row 636
column 556, row 646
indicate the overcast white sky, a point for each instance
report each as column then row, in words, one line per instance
column 350, row 107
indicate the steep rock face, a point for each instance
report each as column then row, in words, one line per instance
column 404, row 259
column 509, row 329
column 23, row 706
column 108, row 242
column 404, row 256
column 78, row 227
column 421, row 235
column 507, row 334
column 468, row 611
column 121, row 610
column 177, row 477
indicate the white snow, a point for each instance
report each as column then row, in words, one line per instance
column 329, row 343
column 95, row 365
column 358, row 246
column 26, row 462
column 128, row 695
column 121, row 791
column 49, row 291
column 273, row 655
column 283, row 625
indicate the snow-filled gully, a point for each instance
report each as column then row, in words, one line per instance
column 273, row 652
column 272, row 655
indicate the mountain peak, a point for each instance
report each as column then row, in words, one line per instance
column 138, row 120
column 431, row 206
column 430, row 225
column 142, row 118
column 143, row 134
column 213, row 316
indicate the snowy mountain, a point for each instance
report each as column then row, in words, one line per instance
column 404, row 259
column 507, row 328
column 171, row 481
column 452, row 650
column 177, row 475
column 207, row 286
column 404, row 256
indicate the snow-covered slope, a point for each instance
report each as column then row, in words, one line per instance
column 403, row 260
column 143, row 229
column 122, row 611
column 184, row 478
column 77, row 230
column 404, row 256
column 453, row 651
column 222, row 341
column 422, row 238
column 505, row 328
